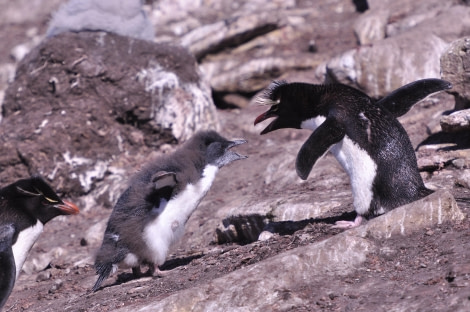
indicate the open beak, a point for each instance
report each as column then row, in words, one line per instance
column 272, row 126
column 235, row 143
column 68, row 208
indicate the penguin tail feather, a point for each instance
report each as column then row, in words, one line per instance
column 103, row 269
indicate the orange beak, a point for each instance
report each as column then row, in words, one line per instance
column 68, row 208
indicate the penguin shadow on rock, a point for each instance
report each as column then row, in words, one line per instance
column 25, row 207
column 364, row 136
column 151, row 214
column 451, row 140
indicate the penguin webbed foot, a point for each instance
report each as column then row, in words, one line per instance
column 342, row 224
column 138, row 273
column 152, row 271
column 160, row 273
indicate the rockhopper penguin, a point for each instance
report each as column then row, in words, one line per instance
column 7, row 263
column 151, row 214
column 25, row 206
column 363, row 135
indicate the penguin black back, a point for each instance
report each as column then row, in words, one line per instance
column 7, row 263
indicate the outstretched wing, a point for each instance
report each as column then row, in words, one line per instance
column 327, row 134
column 400, row 101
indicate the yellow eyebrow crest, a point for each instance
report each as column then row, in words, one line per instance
column 51, row 200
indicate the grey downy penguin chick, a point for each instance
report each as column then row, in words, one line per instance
column 7, row 263
column 151, row 214
column 363, row 135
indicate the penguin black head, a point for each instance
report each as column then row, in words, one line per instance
column 217, row 148
column 36, row 198
column 291, row 103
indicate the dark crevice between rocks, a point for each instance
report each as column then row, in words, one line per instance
column 130, row 118
column 361, row 5
column 168, row 265
column 177, row 262
column 230, row 100
column 237, row 40
column 246, row 229
column 460, row 139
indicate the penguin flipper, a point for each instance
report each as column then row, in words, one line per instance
column 7, row 263
column 327, row 134
column 400, row 101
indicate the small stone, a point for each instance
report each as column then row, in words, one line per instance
column 43, row 276
column 459, row 163
column 57, row 285
column 265, row 235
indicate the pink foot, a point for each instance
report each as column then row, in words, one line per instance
column 348, row 224
column 159, row 273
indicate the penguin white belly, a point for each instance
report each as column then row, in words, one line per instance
column 361, row 170
column 356, row 162
column 25, row 241
column 168, row 227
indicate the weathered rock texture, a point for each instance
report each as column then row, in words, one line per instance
column 411, row 50
column 107, row 131
column 458, row 121
column 455, row 67
column 123, row 17
column 266, row 286
column 81, row 100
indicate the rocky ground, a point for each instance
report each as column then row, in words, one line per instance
column 426, row 270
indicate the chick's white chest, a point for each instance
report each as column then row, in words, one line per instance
column 168, row 227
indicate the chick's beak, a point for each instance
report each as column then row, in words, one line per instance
column 235, row 143
column 68, row 208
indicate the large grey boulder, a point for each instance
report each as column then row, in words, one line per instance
column 403, row 57
column 455, row 67
column 123, row 17
column 90, row 106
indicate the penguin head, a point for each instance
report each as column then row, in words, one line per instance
column 218, row 149
column 291, row 104
column 36, row 198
